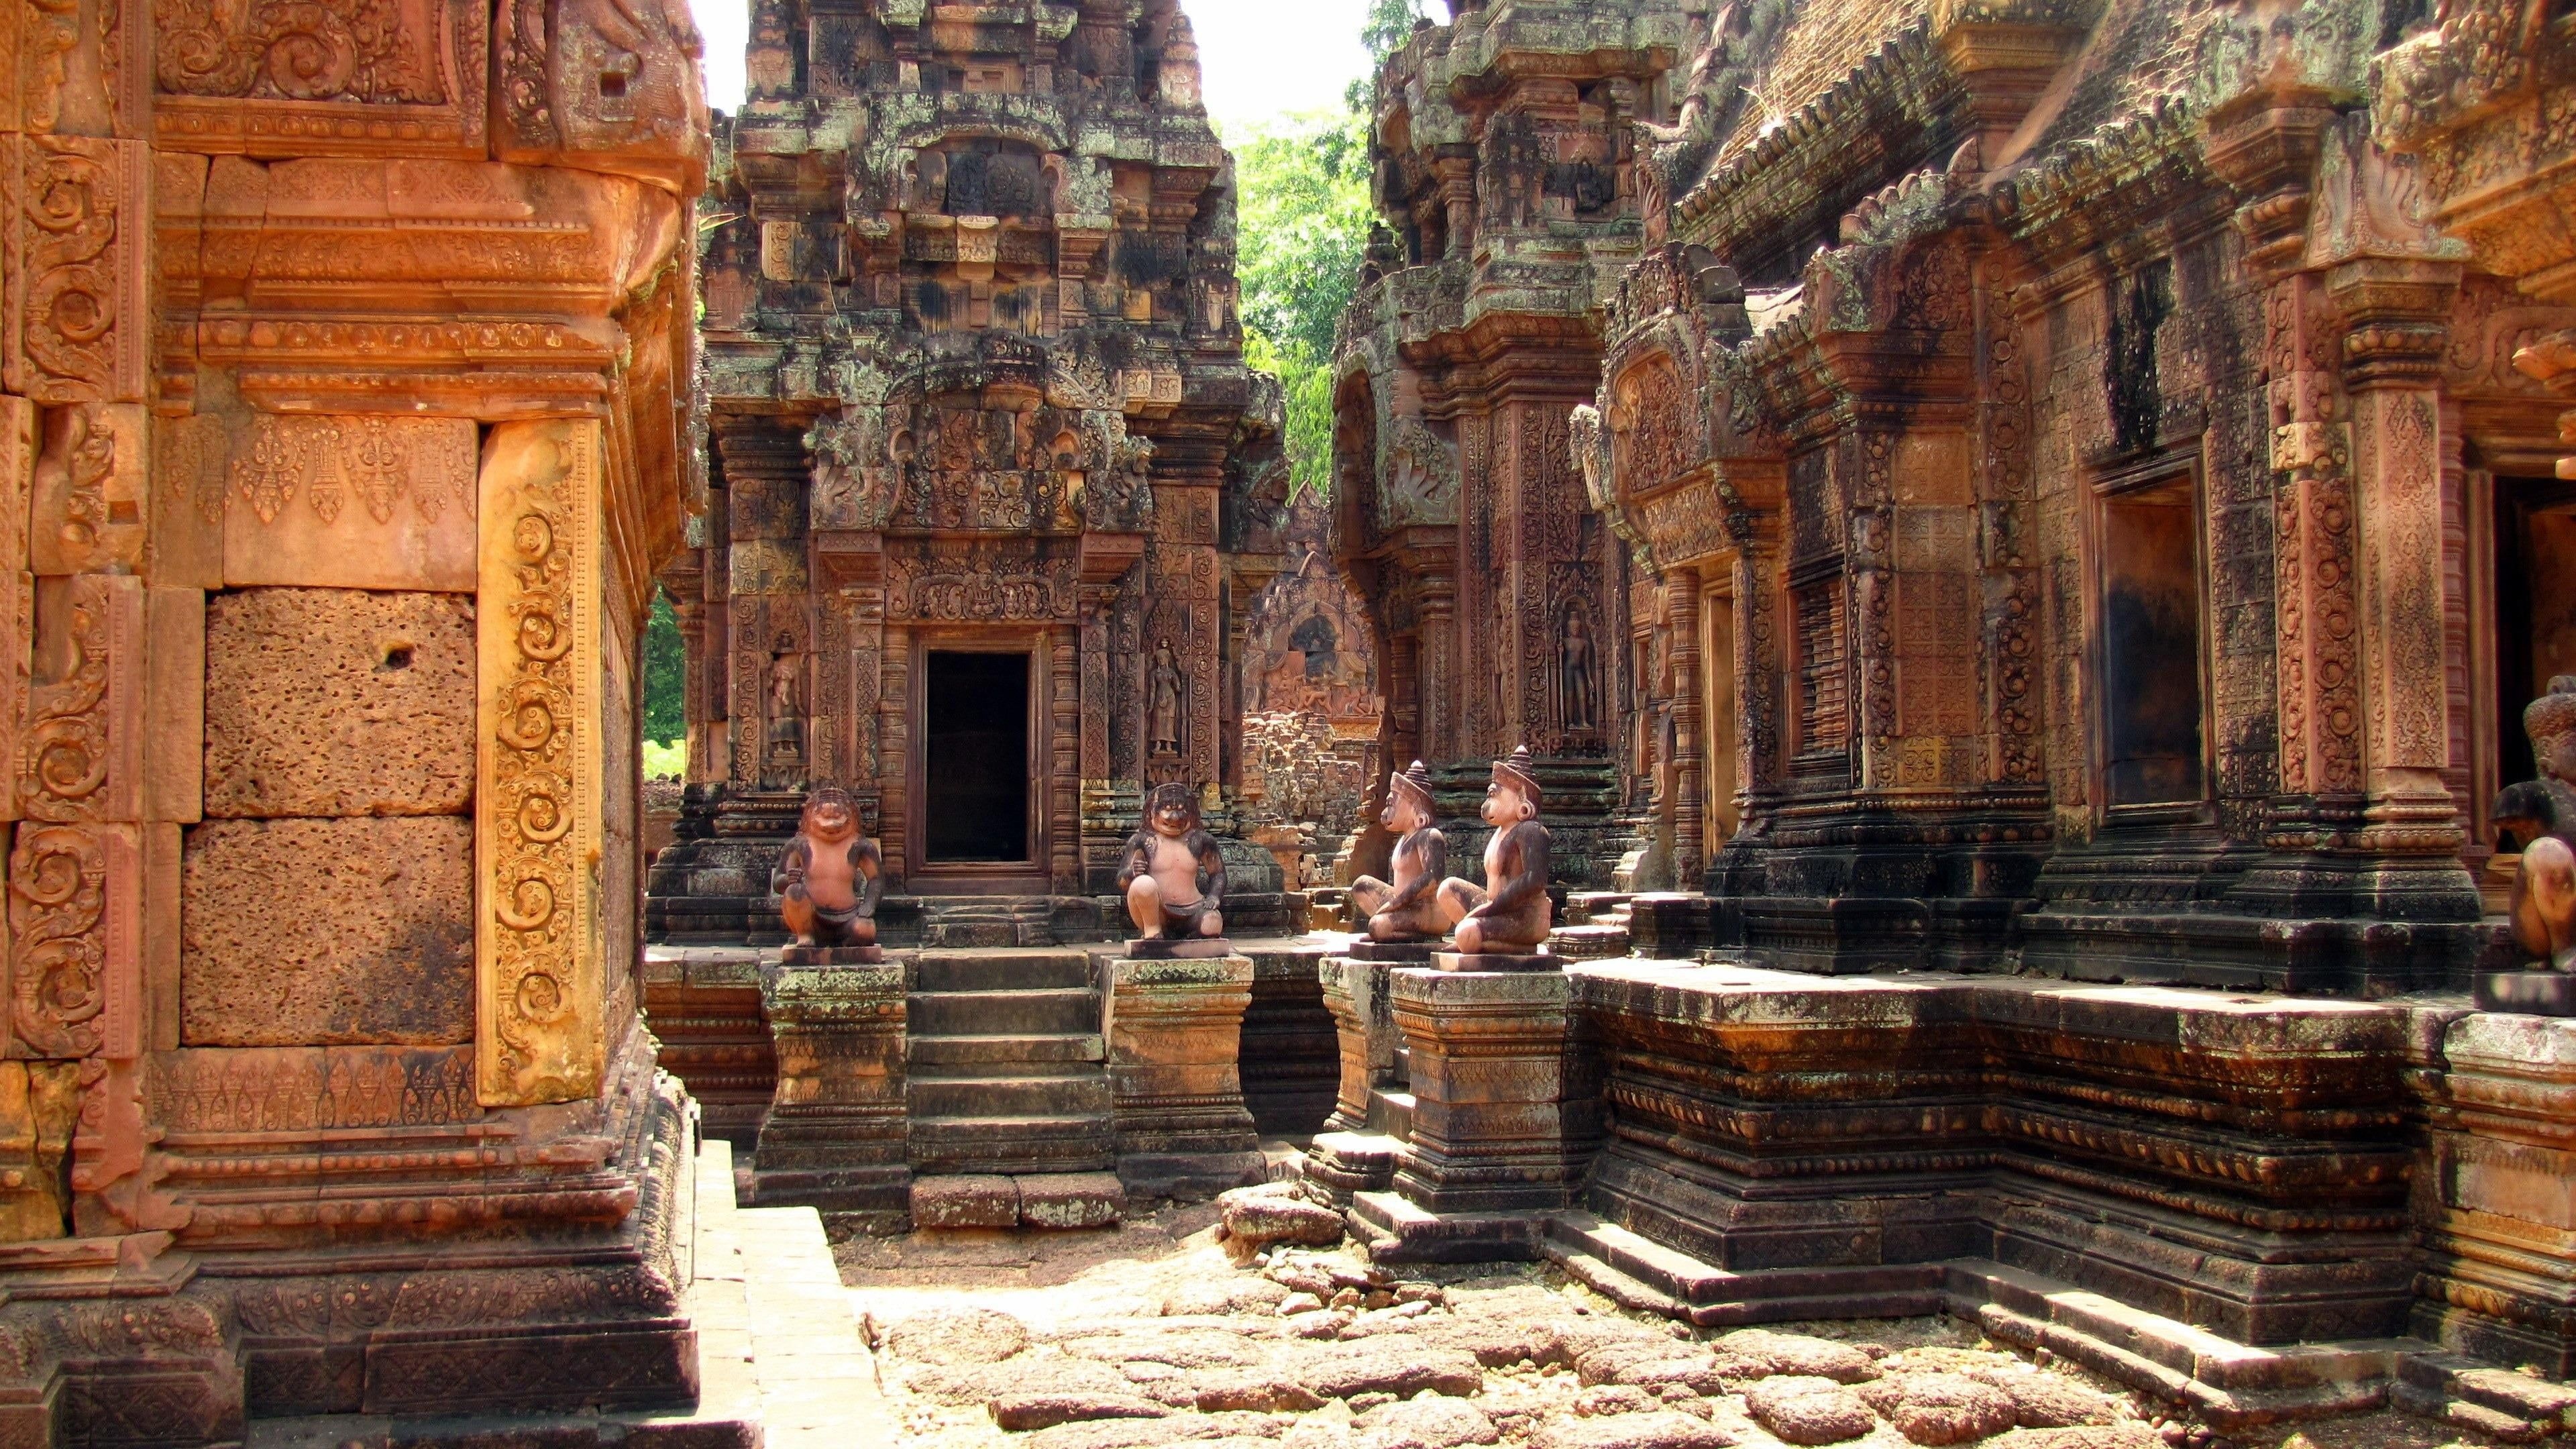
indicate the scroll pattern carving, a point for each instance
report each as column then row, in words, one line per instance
column 72, row 766
column 2315, row 560
column 57, row 908
column 2013, row 609
column 74, row 268
column 300, row 50
column 536, row 945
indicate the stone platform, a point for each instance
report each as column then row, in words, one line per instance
column 979, row 1083
column 2205, row 1194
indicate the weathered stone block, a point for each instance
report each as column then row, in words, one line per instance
column 329, row 702
column 327, row 932
column 966, row 1200
column 1174, row 1037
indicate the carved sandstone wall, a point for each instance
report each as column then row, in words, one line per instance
column 1510, row 189
column 343, row 364
column 2065, row 456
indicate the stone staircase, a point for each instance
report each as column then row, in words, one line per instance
column 1006, row 1068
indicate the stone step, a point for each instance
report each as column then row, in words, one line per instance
column 1002, row 971
column 1638, row 1272
column 2499, row 1404
column 1086, row 1095
column 978, row 1054
column 1012, row 1144
column 1048, row 1200
column 1390, row 1113
column 1594, row 941
column 1000, row 1013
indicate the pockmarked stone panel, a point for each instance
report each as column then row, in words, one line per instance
column 328, row 932
column 338, row 702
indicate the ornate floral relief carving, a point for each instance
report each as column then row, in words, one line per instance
column 1652, row 426
column 301, row 50
column 537, row 942
column 74, row 268
column 320, row 77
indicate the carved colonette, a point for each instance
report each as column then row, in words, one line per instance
column 1474, row 332
column 345, row 421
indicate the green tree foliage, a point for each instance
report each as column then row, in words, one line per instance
column 665, row 662
column 1305, row 216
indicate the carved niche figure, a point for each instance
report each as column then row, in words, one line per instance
column 2543, row 812
column 830, row 880
column 786, row 705
column 1575, row 673
column 1514, row 916
column 1174, row 877
column 1408, row 909
column 1163, row 702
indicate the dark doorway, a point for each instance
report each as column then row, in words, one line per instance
column 976, row 795
column 2535, row 595
column 2152, row 703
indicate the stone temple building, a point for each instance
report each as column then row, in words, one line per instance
column 993, row 488
column 2072, row 512
column 345, row 365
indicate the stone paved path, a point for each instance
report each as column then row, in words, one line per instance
column 1149, row 1336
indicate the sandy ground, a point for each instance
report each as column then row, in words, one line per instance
column 1074, row 1333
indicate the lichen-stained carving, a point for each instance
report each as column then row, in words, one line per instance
column 602, row 83
column 537, row 947
column 74, row 220
column 320, row 77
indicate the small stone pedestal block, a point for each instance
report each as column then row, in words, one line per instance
column 1505, row 1115
column 2527, row 993
column 1175, row 1031
column 2496, row 1194
column 836, row 1138
column 831, row 955
column 1193, row 948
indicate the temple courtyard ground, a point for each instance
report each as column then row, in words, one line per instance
column 1150, row 1334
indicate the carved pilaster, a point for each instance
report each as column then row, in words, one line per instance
column 1690, row 813
column 539, row 973
column 2392, row 356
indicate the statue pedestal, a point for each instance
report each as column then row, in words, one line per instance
column 1193, row 948
column 1504, row 1116
column 1174, row 1030
column 1364, row 1031
column 831, row 955
column 836, row 1138
column 1499, row 961
column 1402, row 953
column 2538, row 992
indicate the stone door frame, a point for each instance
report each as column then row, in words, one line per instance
column 1025, row 877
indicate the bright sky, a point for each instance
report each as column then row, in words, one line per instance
column 1261, row 58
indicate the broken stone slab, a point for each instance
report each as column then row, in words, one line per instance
column 1809, row 1411
column 1294, row 1212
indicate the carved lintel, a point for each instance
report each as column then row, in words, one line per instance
column 538, row 943
column 289, row 78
